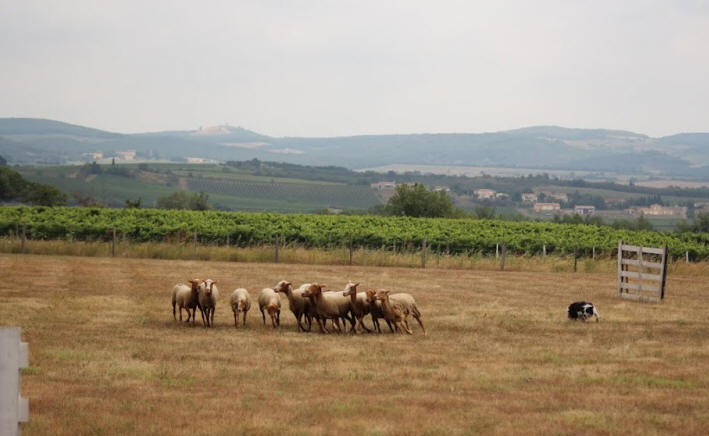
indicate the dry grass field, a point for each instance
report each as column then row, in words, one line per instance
column 500, row 357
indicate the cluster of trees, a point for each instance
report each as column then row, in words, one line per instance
column 13, row 187
column 700, row 224
column 184, row 200
column 417, row 201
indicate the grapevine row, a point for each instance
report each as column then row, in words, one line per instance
column 454, row 235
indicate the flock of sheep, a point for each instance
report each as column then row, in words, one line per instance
column 307, row 302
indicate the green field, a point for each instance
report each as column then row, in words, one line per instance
column 228, row 188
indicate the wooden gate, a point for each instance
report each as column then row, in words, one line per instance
column 641, row 272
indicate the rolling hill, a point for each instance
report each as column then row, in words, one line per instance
column 39, row 141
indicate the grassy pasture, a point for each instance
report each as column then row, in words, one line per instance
column 107, row 358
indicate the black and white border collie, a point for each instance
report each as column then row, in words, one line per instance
column 583, row 311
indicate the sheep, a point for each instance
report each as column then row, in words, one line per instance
column 401, row 301
column 268, row 299
column 240, row 302
column 358, row 302
column 375, row 309
column 393, row 313
column 328, row 305
column 299, row 305
column 208, row 296
column 186, row 297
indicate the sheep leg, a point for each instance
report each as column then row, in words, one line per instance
column 188, row 311
column 236, row 325
column 173, row 312
column 375, row 323
column 389, row 324
column 418, row 319
column 299, row 327
column 309, row 319
column 201, row 312
column 273, row 319
column 361, row 324
column 212, row 310
column 263, row 315
column 323, row 329
column 405, row 324
column 350, row 316
column 336, row 321
column 244, row 319
column 278, row 318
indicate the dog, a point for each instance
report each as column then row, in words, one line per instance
column 583, row 310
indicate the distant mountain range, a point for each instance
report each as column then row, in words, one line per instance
column 39, row 141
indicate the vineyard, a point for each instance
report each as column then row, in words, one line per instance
column 331, row 194
column 456, row 236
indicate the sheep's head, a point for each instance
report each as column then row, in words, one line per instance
column 208, row 286
column 382, row 295
column 371, row 295
column 314, row 290
column 350, row 288
column 195, row 284
column 283, row 286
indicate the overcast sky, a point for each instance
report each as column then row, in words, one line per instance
column 325, row 68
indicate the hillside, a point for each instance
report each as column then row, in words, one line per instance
column 36, row 141
column 229, row 188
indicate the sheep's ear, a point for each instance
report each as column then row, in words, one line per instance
column 355, row 285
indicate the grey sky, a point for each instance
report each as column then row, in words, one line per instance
column 321, row 68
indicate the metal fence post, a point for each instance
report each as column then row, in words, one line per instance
column 14, row 409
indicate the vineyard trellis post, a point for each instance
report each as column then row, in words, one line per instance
column 351, row 250
column 544, row 250
column 502, row 257
column 227, row 240
column 576, row 257
column 113, row 243
column 195, row 244
column 423, row 254
column 24, row 238
column 686, row 256
column 275, row 254
column 497, row 251
column 593, row 253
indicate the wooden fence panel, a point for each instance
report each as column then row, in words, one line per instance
column 646, row 286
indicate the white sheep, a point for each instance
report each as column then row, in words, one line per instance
column 401, row 301
column 240, row 302
column 208, row 296
column 329, row 305
column 269, row 300
column 358, row 302
column 299, row 305
column 186, row 297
